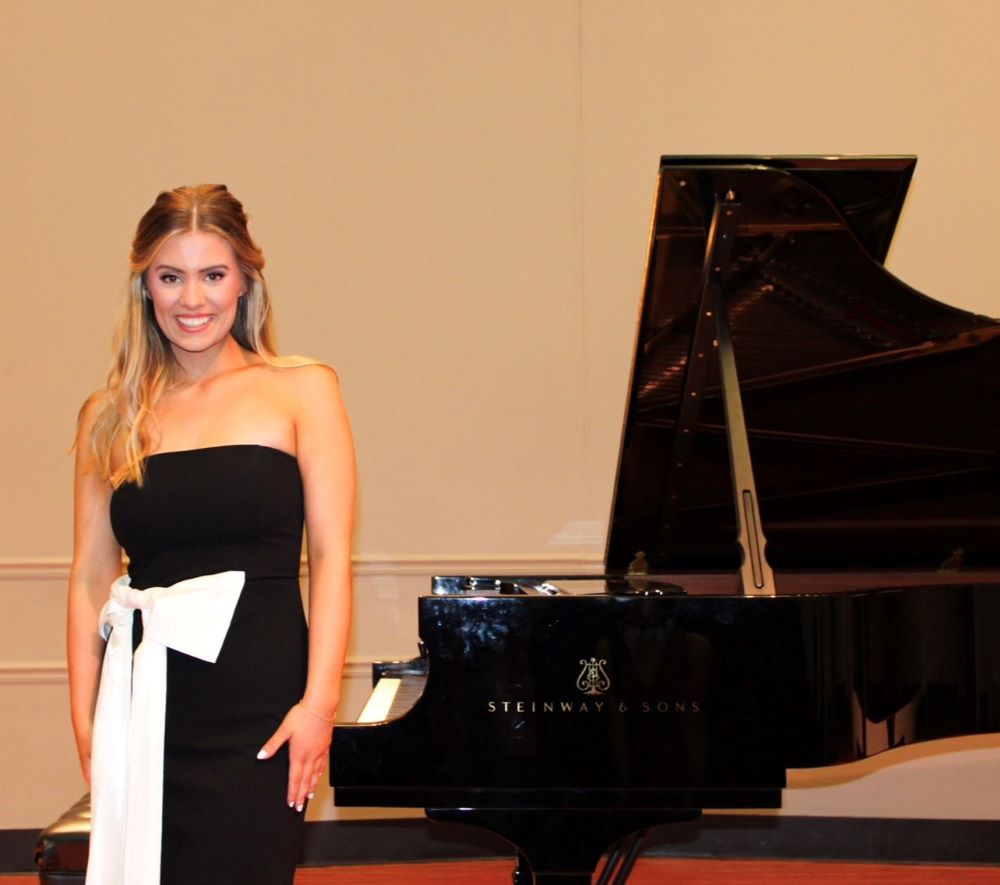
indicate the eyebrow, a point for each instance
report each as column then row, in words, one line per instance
column 172, row 269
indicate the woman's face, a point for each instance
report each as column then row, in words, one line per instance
column 195, row 284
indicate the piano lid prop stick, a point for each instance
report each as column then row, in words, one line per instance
column 755, row 575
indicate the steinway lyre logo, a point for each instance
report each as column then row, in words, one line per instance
column 593, row 678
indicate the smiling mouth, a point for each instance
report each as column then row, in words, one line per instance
column 192, row 323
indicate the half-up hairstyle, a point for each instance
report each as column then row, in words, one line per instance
column 144, row 365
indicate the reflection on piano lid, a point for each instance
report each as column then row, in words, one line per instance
column 791, row 402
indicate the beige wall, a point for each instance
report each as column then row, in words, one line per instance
column 453, row 197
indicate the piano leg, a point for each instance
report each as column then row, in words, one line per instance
column 620, row 861
column 560, row 846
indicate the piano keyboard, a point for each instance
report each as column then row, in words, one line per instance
column 392, row 697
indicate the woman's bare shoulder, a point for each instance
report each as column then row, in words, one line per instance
column 96, row 400
column 309, row 366
column 311, row 376
column 296, row 361
column 92, row 406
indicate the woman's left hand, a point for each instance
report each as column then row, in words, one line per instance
column 308, row 737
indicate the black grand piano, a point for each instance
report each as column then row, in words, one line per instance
column 802, row 561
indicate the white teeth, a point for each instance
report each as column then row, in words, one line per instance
column 192, row 322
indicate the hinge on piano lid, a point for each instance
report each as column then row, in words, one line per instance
column 458, row 585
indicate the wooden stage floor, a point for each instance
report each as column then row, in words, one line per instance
column 649, row 871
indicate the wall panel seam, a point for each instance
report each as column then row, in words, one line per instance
column 54, row 672
column 390, row 564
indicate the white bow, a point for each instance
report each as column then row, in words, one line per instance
column 192, row 617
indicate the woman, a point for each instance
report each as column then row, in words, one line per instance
column 202, row 457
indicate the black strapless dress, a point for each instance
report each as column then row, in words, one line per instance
column 202, row 511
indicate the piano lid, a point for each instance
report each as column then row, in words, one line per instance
column 872, row 410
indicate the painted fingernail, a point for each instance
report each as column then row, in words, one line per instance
column 310, row 795
column 291, row 803
column 263, row 754
column 298, row 807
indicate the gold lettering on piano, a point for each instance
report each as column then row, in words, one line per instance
column 593, row 680
column 676, row 707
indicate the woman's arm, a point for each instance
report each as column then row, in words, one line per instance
column 97, row 561
column 325, row 453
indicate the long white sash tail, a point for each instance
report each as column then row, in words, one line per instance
column 192, row 617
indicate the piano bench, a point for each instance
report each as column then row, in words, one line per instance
column 62, row 847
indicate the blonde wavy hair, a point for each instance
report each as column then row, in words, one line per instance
column 144, row 365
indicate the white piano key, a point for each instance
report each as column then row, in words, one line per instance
column 377, row 706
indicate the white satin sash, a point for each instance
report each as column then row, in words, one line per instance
column 192, row 617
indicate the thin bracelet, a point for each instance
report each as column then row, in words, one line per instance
column 302, row 703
